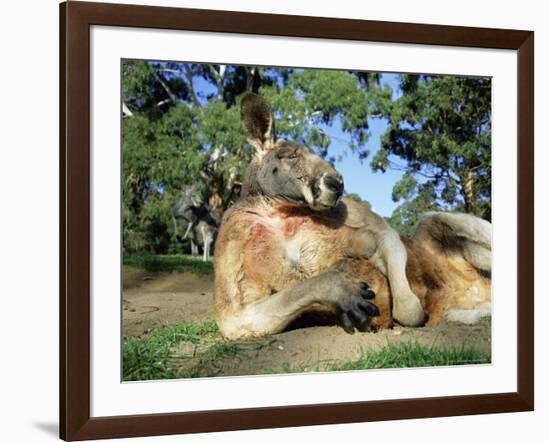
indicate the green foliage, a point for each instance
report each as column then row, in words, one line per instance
column 404, row 188
column 313, row 99
column 169, row 263
column 419, row 199
column 439, row 134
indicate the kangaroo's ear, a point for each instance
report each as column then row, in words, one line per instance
column 258, row 122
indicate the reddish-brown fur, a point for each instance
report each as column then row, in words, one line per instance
column 257, row 267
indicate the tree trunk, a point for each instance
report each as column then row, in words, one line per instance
column 468, row 191
column 216, row 202
column 215, row 194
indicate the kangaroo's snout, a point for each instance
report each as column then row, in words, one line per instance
column 334, row 183
column 329, row 191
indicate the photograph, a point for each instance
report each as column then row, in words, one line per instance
column 228, row 221
column 281, row 220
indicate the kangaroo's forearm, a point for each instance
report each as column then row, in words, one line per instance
column 272, row 314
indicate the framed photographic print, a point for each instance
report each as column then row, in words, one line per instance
column 272, row 220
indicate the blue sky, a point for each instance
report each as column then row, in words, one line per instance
column 375, row 187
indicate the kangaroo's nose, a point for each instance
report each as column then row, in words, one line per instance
column 334, row 183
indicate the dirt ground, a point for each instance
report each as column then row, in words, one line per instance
column 153, row 300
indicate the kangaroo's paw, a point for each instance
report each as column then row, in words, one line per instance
column 355, row 310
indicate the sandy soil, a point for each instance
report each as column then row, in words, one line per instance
column 155, row 300
column 152, row 300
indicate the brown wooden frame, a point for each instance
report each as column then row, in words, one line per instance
column 75, row 21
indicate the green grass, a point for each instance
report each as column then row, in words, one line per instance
column 222, row 349
column 409, row 354
column 157, row 355
column 197, row 349
column 149, row 357
column 169, row 263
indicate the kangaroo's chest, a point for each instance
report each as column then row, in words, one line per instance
column 285, row 248
column 303, row 246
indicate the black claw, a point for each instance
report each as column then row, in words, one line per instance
column 364, row 306
column 369, row 294
column 374, row 310
column 360, row 320
column 369, row 308
column 345, row 322
column 364, row 286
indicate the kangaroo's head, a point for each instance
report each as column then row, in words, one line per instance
column 285, row 170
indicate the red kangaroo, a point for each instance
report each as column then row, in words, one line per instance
column 292, row 245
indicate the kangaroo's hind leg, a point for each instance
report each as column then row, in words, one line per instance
column 391, row 259
column 194, row 249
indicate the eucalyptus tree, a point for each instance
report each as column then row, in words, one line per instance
column 439, row 135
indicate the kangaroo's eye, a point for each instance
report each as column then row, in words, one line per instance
column 275, row 170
